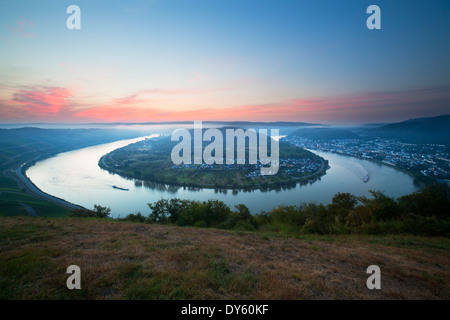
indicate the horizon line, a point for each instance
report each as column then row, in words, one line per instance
column 211, row 121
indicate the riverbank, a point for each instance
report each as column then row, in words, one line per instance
column 26, row 190
column 22, row 148
column 121, row 260
column 381, row 163
column 18, row 200
column 267, row 186
column 28, row 187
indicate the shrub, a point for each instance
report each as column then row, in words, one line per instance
column 244, row 226
column 138, row 217
column 422, row 213
column 101, row 212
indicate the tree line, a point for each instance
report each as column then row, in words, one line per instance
column 426, row 212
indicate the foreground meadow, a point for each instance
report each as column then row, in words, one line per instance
column 122, row 260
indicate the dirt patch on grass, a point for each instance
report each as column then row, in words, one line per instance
column 137, row 261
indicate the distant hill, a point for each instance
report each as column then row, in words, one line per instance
column 21, row 145
column 285, row 128
column 420, row 130
column 264, row 124
column 325, row 133
column 226, row 123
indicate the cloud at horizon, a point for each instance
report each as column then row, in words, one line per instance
column 57, row 104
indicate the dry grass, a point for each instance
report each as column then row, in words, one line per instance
column 137, row 261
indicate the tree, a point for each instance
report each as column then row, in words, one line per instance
column 216, row 212
column 174, row 208
column 159, row 211
column 101, row 212
column 341, row 205
column 431, row 201
column 244, row 212
column 381, row 207
column 345, row 201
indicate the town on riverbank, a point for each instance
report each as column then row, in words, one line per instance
column 428, row 163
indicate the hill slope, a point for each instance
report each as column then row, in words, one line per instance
column 138, row 261
column 324, row 134
column 24, row 144
column 420, row 130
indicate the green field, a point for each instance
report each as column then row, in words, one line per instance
column 10, row 205
column 7, row 184
column 11, row 198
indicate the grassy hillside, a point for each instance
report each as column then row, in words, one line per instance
column 121, row 260
column 13, row 199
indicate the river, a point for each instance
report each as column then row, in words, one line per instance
column 76, row 177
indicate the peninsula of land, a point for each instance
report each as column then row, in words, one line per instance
column 150, row 161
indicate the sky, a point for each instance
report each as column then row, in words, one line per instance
column 224, row 60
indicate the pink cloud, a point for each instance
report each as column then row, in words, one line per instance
column 22, row 28
column 46, row 100
column 365, row 107
column 36, row 103
column 112, row 114
column 47, row 103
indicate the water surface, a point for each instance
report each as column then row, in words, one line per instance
column 76, row 177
